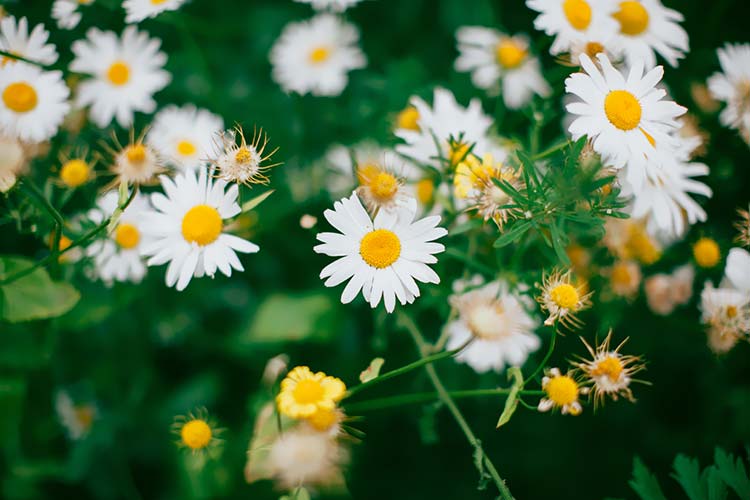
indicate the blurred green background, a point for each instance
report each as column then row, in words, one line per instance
column 144, row 354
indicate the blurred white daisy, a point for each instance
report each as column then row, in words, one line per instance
column 382, row 258
column 126, row 72
column 732, row 86
column 34, row 102
column 117, row 257
column 12, row 162
column 332, row 5
column 737, row 270
column 574, row 21
column 498, row 321
column 66, row 13
column 76, row 418
column 183, row 136
column 495, row 59
column 646, row 27
column 135, row 163
column 187, row 228
column 138, row 10
column 16, row 39
column 315, row 56
column 304, row 456
column 726, row 313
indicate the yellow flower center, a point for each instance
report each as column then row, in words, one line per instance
column 196, row 434
column 308, row 391
column 383, row 186
column 157, row 2
column 186, row 148
column 319, row 55
column 706, row 252
column 425, row 191
column 731, row 312
column 243, row 155
column 119, row 73
column 486, row 321
column 593, row 48
column 136, row 153
column 380, row 248
column 633, row 18
column 20, row 97
column 322, row 420
column 408, row 118
column 641, row 246
column 562, row 390
column 458, row 152
column 202, row 225
column 578, row 13
column 509, row 54
column 75, row 172
column 85, row 416
column 610, row 367
column 565, row 295
column 127, row 236
column 622, row 109
column 621, row 274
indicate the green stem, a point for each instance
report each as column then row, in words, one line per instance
column 546, row 356
column 550, row 151
column 32, row 191
column 426, row 397
column 444, row 396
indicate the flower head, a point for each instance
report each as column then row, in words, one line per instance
column 183, row 136
column 562, row 299
column 196, row 431
column 244, row 162
column 304, row 393
column 562, row 391
column 138, row 10
column 136, row 162
column 743, row 227
column 16, row 39
column 303, row 456
column 706, row 252
column 732, row 86
column 66, row 13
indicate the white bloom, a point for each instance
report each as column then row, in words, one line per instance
column 137, row 163
column 77, row 419
column 573, row 21
column 382, row 258
column 183, row 137
column 316, row 56
column 498, row 321
column 126, row 73
column 737, row 270
column 16, row 39
column 725, row 310
column 332, row 5
column 646, row 26
column 34, row 102
column 494, row 58
column 243, row 161
column 65, row 12
column 117, row 257
column 12, row 161
column 732, row 86
column 188, row 228
column 138, row 10
column 302, row 456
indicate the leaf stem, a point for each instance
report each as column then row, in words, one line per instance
column 546, row 356
column 550, row 151
column 426, row 397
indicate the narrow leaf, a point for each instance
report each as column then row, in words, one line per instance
column 511, row 403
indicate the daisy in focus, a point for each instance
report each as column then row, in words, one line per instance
column 241, row 162
column 187, row 228
column 183, row 136
column 126, row 73
column 496, row 60
column 16, row 39
column 66, row 12
column 138, row 10
column 118, row 256
column 196, row 431
column 383, row 258
column 304, row 393
column 332, row 5
column 316, row 56
column 732, row 86
column 562, row 391
column 562, row 299
column 498, row 321
column 34, row 102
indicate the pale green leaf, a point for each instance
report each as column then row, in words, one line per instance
column 372, row 371
column 511, row 403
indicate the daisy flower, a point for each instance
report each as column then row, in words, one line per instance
column 16, row 39
column 332, row 5
column 76, row 171
column 497, row 320
column 608, row 372
column 66, row 13
column 118, row 256
column 562, row 391
column 495, row 59
column 625, row 278
column 315, row 56
column 187, row 228
column 34, row 102
column 196, row 431
column 138, row 10
column 737, row 270
column 571, row 21
column 732, row 86
column 243, row 162
column 184, row 136
column 346, row 164
column 726, row 313
column 646, row 28
column 563, row 300
column 706, row 252
column 136, row 163
column 382, row 258
column 76, row 418
column 12, row 162
column 628, row 239
column 303, row 456
column 623, row 117
column 303, row 393
column 126, row 73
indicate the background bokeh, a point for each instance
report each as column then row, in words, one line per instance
column 146, row 353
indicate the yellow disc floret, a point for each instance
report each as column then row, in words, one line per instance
column 610, row 367
column 319, row 55
column 622, row 109
column 633, row 17
column 75, row 172
column 136, row 153
column 706, row 252
column 201, row 224
column 425, row 191
column 565, row 296
column 127, row 236
column 561, row 390
column 196, row 434
column 408, row 118
column 186, row 148
column 118, row 73
column 380, row 248
column 20, row 97
column 510, row 54
column 578, row 13
column 384, row 186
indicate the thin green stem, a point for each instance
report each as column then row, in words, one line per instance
column 34, row 192
column 546, row 357
column 550, row 151
column 426, row 397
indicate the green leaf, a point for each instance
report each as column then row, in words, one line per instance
column 251, row 204
column 717, row 490
column 732, row 471
column 34, row 296
column 513, row 234
column 644, row 483
column 511, row 403
column 687, row 472
column 372, row 371
column 559, row 242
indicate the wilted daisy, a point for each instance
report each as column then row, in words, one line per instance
column 188, row 227
column 743, row 227
column 117, row 257
column 562, row 299
column 76, row 418
column 12, row 162
column 183, row 136
column 135, row 163
column 646, row 28
column 332, row 5
column 562, row 391
column 498, row 321
column 66, row 13
column 571, row 21
column 241, row 162
column 608, row 372
column 315, row 56
column 196, row 431
column 303, row 393
column 34, row 102
column 16, row 39
column 726, row 313
column 706, row 252
column 732, row 86
column 382, row 258
column 303, row 456
column 138, row 10
column 126, row 73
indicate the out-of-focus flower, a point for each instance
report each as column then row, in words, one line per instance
column 332, row 5
column 625, row 278
column 628, row 239
column 274, row 368
column 664, row 292
column 196, row 431
column 562, row 391
column 304, row 456
column 76, row 171
column 743, row 227
column 571, row 21
column 303, row 393
column 308, row 221
column 16, row 39
column 66, row 13
column 706, row 252
column 563, row 300
column 732, row 86
column 135, row 163
column 12, row 162
column 138, row 10
column 183, row 136
column 76, row 418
